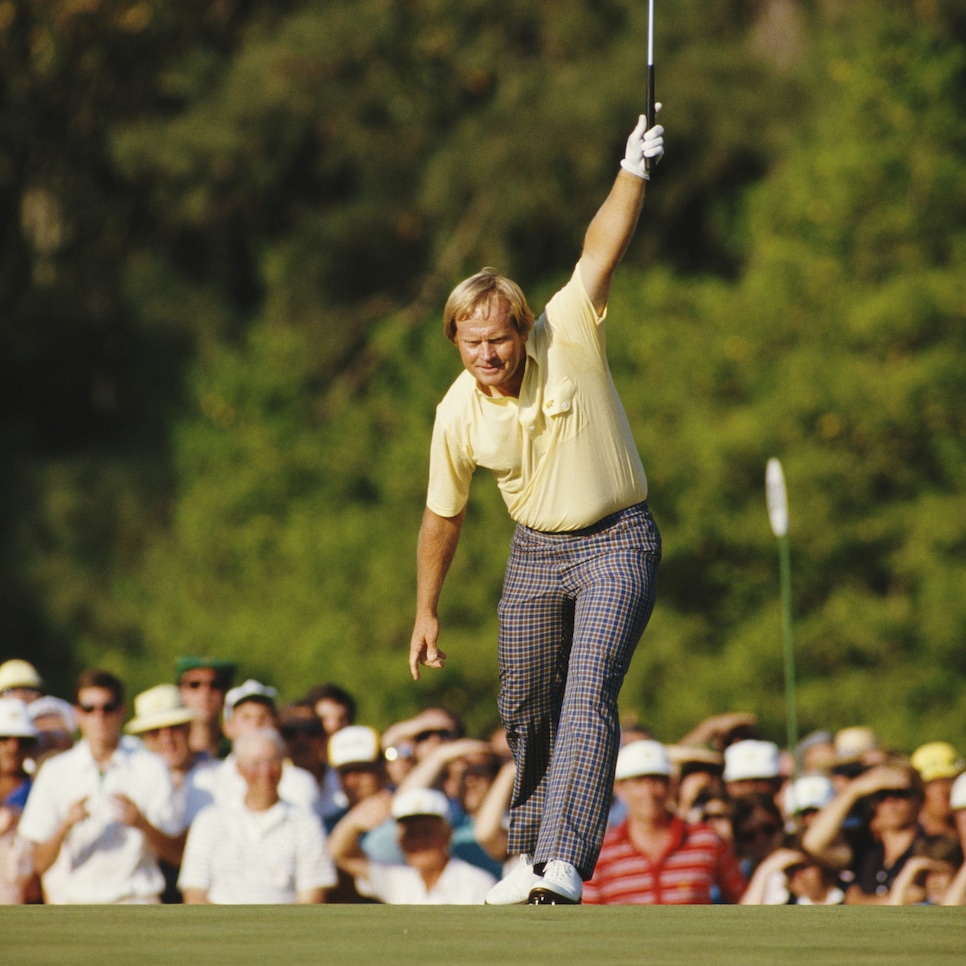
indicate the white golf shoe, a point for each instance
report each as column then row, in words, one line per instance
column 560, row 885
column 514, row 889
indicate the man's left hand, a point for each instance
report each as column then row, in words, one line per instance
column 645, row 147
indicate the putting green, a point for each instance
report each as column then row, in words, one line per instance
column 348, row 935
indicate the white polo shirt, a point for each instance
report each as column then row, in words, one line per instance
column 461, row 884
column 103, row 860
column 239, row 856
column 226, row 786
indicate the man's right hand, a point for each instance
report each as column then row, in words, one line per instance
column 879, row 779
column 422, row 646
column 76, row 814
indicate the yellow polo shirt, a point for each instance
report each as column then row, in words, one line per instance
column 562, row 453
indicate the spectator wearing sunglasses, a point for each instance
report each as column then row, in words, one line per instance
column 758, row 829
column 873, row 851
column 204, row 682
column 108, row 804
column 306, row 741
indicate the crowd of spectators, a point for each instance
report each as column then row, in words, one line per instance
column 213, row 792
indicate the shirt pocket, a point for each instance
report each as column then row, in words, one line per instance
column 562, row 409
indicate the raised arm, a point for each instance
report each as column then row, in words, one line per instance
column 344, row 842
column 612, row 228
column 438, row 540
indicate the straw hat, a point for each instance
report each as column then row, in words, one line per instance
column 159, row 707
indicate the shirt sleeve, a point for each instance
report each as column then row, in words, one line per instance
column 571, row 313
column 380, row 882
column 41, row 815
column 314, row 868
column 729, row 877
column 161, row 807
column 451, row 470
column 196, row 864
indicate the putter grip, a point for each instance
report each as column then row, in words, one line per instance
column 649, row 107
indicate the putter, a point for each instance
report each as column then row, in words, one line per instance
column 649, row 111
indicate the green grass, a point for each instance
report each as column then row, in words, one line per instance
column 535, row 936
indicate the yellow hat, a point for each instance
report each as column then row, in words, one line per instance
column 937, row 759
column 19, row 674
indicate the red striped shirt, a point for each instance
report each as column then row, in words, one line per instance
column 695, row 860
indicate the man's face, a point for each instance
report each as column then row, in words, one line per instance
column 937, row 794
column 492, row 350
column 261, row 767
column 203, row 690
column 424, row 840
column 896, row 808
column 13, row 751
column 645, row 796
column 53, row 734
column 99, row 715
column 171, row 743
column 304, row 737
column 334, row 716
column 247, row 717
column 361, row 781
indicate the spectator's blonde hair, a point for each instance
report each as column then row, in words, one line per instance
column 481, row 289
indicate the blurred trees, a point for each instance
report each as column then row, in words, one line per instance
column 230, row 228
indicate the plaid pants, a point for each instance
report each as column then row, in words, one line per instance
column 574, row 606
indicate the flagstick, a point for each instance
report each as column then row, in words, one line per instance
column 777, row 500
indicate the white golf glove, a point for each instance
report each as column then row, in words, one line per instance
column 643, row 146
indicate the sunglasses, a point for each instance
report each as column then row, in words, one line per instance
column 444, row 734
column 754, row 832
column 308, row 729
column 901, row 793
column 111, row 707
column 197, row 684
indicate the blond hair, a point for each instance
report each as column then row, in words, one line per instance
column 480, row 289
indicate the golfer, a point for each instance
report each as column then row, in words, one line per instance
column 537, row 406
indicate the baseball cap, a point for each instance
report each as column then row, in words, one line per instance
column 420, row 801
column 251, row 690
column 937, row 759
column 14, row 720
column 750, row 759
column 226, row 669
column 808, row 791
column 19, row 674
column 957, row 798
column 49, row 706
column 642, row 757
column 354, row 745
column 159, row 707
column 853, row 742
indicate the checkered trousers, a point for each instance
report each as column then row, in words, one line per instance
column 574, row 606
